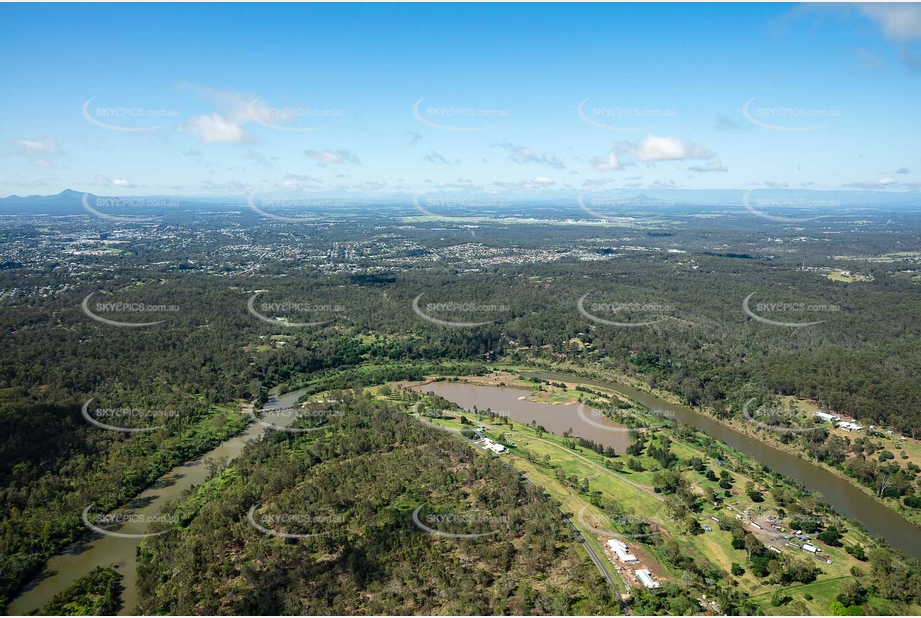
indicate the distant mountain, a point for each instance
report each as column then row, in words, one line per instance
column 805, row 198
column 69, row 202
column 66, row 202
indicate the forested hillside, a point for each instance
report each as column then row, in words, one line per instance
column 204, row 360
column 355, row 485
column 211, row 356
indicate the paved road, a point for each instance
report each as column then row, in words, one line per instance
column 599, row 564
column 602, row 468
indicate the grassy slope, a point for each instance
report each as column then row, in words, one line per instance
column 715, row 546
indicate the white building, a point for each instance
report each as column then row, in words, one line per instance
column 495, row 447
column 812, row 549
column 646, row 577
column 620, row 550
column 828, row 418
column 849, row 426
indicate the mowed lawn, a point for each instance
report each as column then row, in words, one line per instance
column 633, row 492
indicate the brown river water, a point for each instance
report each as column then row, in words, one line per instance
column 554, row 418
column 850, row 501
column 104, row 550
column 101, row 550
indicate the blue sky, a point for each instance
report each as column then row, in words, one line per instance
column 310, row 99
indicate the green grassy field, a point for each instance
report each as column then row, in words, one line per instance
column 634, row 492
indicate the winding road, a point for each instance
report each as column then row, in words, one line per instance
column 599, row 563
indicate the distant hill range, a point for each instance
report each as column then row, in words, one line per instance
column 69, row 202
column 66, row 202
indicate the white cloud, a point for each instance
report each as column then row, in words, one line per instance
column 899, row 21
column 103, row 181
column 461, row 184
column 299, row 182
column 370, row 186
column 654, row 148
column 882, row 183
column 258, row 110
column 434, row 157
column 725, row 123
column 215, row 129
column 293, row 185
column 252, row 155
column 36, row 182
column 870, row 60
column 40, row 146
column 537, row 184
column 522, row 154
column 608, row 164
column 231, row 186
column 304, row 178
column 333, row 157
column 599, row 182
column 713, row 166
column 234, row 112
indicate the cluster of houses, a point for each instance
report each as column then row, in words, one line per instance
column 834, row 418
column 803, row 543
column 620, row 549
column 852, row 426
column 495, row 447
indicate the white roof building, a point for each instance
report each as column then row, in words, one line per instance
column 849, row 426
column 825, row 416
column 620, row 550
column 646, row 577
column 493, row 446
column 812, row 549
